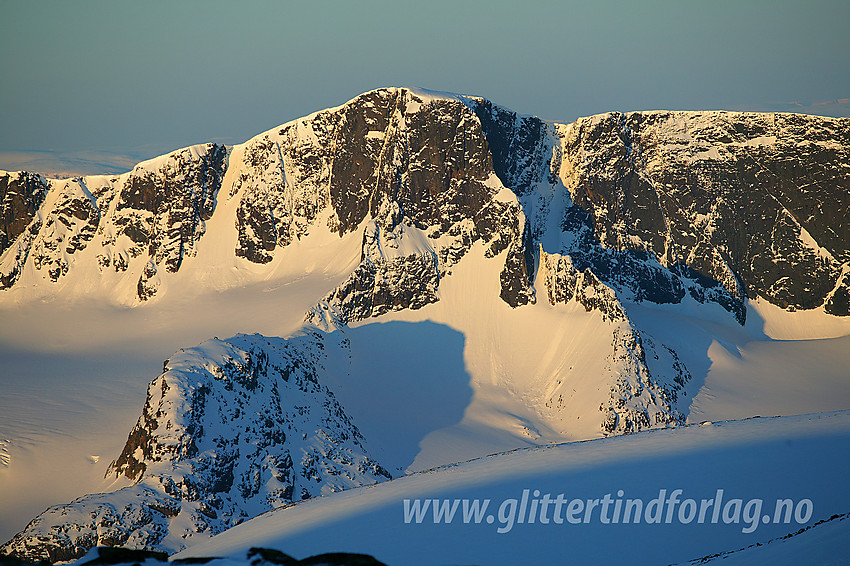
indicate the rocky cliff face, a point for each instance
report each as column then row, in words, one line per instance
column 754, row 202
column 229, row 430
column 163, row 206
column 654, row 206
column 143, row 221
column 715, row 205
column 21, row 196
column 398, row 161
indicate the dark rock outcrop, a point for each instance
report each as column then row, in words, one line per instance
column 648, row 377
column 21, row 196
column 164, row 206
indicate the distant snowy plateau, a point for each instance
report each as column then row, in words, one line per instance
column 436, row 294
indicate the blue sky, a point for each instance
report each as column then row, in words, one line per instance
column 97, row 84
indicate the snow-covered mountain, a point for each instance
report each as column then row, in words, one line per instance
column 656, row 204
column 559, row 281
column 231, row 429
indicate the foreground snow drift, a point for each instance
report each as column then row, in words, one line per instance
column 799, row 458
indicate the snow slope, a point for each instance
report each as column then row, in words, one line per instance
column 766, row 458
column 74, row 371
column 823, row 542
column 481, row 393
column 510, row 355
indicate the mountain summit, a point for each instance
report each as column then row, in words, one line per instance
column 717, row 205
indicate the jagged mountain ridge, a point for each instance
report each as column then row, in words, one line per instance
column 682, row 196
column 146, row 220
column 231, row 429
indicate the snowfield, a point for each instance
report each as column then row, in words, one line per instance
column 766, row 458
column 69, row 395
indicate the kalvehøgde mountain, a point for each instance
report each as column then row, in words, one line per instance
column 615, row 209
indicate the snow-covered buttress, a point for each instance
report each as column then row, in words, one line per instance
column 610, row 210
column 231, row 429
